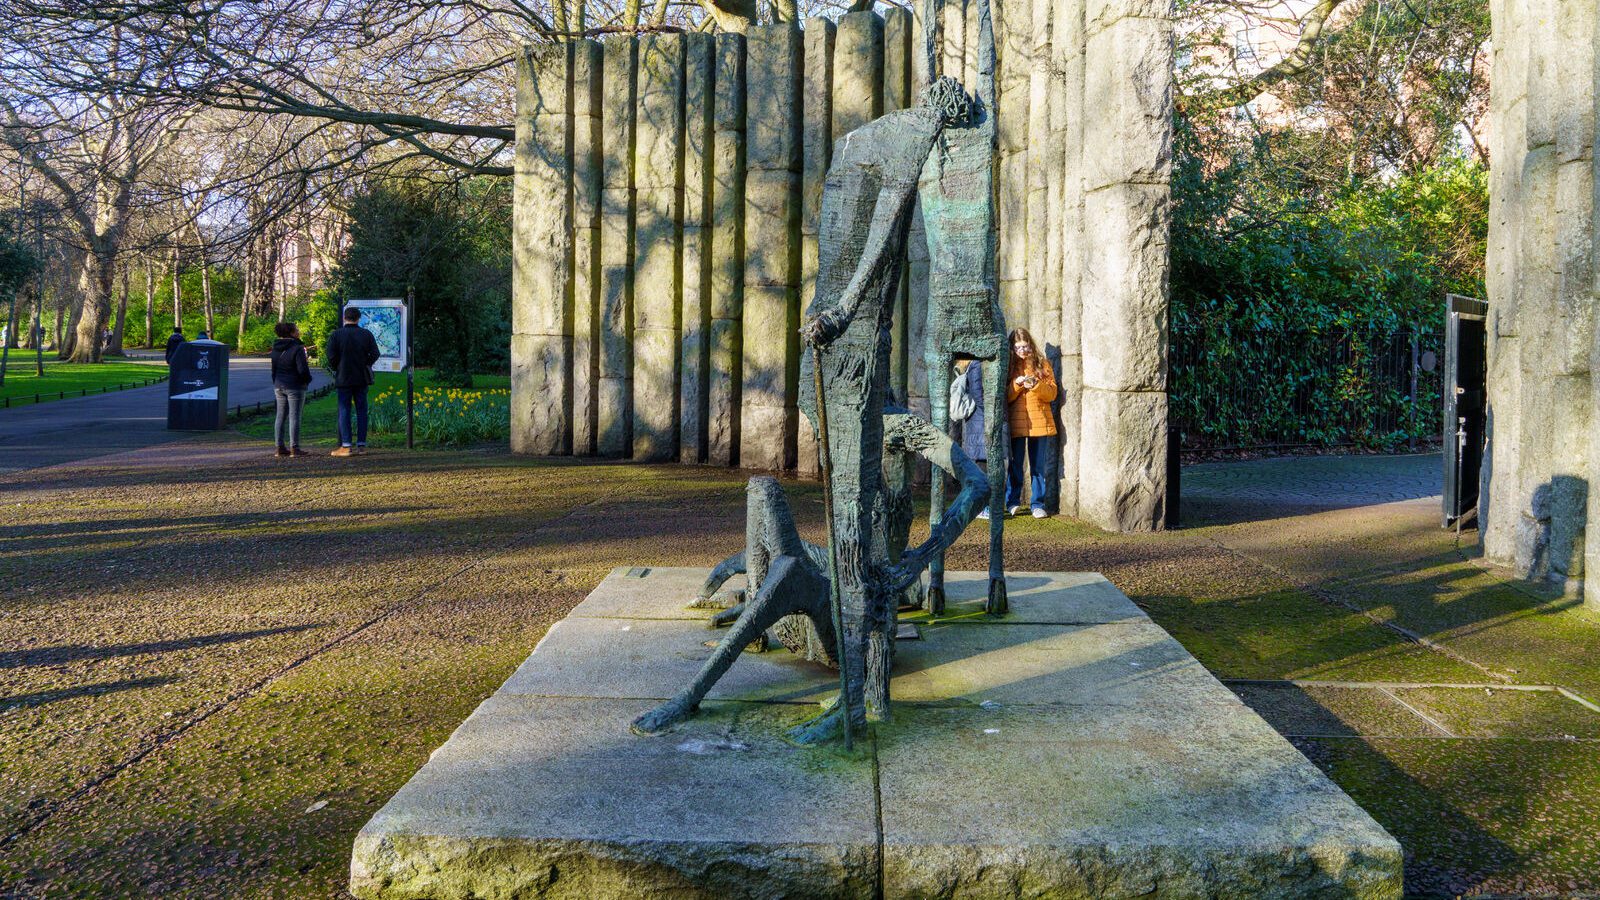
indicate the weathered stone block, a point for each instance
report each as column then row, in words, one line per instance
column 1129, row 73
column 694, row 352
column 655, row 394
column 727, row 225
column 771, row 229
column 1013, row 36
column 617, row 103
column 658, row 134
column 614, row 423
column 1125, row 289
column 768, row 313
column 763, row 432
column 730, row 67
column 953, row 40
column 897, row 44
column 585, row 337
column 1122, row 453
column 722, row 392
column 857, row 72
column 774, row 64
column 1069, row 376
column 1127, row 771
column 1101, row 14
column 540, row 394
column 587, row 132
column 542, row 80
column 655, row 259
column 616, row 280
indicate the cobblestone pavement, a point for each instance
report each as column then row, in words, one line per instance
column 1219, row 492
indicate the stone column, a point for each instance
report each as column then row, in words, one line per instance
column 1013, row 36
column 695, row 351
column 916, row 378
column 1498, row 502
column 1062, row 95
column 615, row 408
column 816, row 147
column 773, row 160
column 657, row 260
column 1573, row 38
column 727, row 253
column 1127, row 161
column 541, row 316
column 899, row 37
column 587, row 160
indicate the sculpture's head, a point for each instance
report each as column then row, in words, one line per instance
column 946, row 97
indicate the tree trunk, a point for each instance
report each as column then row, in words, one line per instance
column 177, row 294
column 114, row 346
column 97, row 280
column 149, row 305
column 244, row 302
column 205, row 294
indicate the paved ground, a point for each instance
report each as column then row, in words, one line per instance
column 63, row 431
column 216, row 665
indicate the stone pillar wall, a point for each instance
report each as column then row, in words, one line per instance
column 668, row 188
column 1535, row 500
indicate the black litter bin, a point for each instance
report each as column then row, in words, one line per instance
column 197, row 387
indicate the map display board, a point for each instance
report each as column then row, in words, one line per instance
column 386, row 319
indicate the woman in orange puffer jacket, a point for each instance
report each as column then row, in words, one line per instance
column 1029, row 393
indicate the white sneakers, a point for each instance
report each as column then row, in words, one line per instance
column 1040, row 514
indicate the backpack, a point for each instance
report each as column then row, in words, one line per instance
column 961, row 405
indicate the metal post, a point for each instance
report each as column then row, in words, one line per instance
column 1416, row 366
column 411, row 420
column 825, row 462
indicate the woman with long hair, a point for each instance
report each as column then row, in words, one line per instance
column 1030, row 390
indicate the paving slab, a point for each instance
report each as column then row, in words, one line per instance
column 1025, row 758
column 1166, row 800
column 551, row 797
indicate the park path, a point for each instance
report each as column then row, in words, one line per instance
column 78, row 428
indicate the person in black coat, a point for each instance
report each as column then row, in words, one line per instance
column 351, row 352
column 291, row 375
column 173, row 341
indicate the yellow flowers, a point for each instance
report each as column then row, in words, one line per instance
column 446, row 416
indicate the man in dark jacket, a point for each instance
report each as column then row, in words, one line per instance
column 291, row 375
column 351, row 352
column 172, row 343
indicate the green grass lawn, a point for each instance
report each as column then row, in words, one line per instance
column 319, row 426
column 355, row 611
column 70, row 378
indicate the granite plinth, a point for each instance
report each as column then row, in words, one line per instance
column 1068, row 749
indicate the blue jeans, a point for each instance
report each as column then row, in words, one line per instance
column 356, row 396
column 1041, row 455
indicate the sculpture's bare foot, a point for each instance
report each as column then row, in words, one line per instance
column 727, row 616
column 934, row 601
column 820, row 730
column 998, row 605
column 662, row 717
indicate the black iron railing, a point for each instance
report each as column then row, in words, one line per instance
column 1265, row 389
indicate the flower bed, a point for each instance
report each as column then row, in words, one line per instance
column 445, row 416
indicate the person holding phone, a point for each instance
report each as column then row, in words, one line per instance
column 1030, row 390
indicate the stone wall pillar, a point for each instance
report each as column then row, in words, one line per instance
column 668, row 188
column 587, row 160
column 541, row 311
column 699, row 80
column 775, row 59
column 726, row 379
column 614, row 435
column 1536, row 499
column 1126, row 169
column 657, row 245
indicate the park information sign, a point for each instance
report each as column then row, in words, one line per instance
column 386, row 319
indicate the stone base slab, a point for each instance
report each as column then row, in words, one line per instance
column 1069, row 749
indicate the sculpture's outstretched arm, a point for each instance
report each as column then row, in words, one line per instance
column 912, row 432
column 885, row 236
